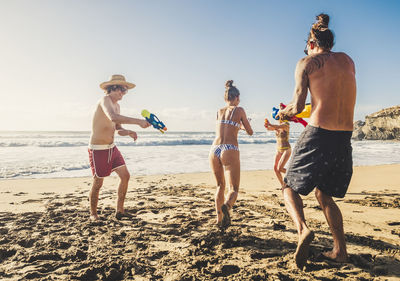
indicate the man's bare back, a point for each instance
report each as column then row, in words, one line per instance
column 332, row 85
column 322, row 157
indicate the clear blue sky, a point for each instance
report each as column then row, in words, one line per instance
column 54, row 54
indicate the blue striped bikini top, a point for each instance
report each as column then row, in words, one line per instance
column 229, row 121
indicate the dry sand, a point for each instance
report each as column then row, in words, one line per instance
column 45, row 233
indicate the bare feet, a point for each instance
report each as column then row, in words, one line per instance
column 283, row 186
column 218, row 221
column 226, row 219
column 219, row 217
column 94, row 218
column 331, row 255
column 120, row 215
column 301, row 254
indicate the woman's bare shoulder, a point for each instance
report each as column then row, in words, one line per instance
column 240, row 109
column 221, row 112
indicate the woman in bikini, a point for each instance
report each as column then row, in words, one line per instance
column 224, row 154
column 283, row 147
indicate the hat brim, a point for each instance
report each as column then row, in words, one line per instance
column 107, row 84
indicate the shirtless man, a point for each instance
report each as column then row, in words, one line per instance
column 104, row 156
column 322, row 157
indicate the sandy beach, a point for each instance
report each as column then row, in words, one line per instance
column 45, row 233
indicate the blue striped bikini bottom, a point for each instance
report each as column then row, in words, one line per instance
column 217, row 149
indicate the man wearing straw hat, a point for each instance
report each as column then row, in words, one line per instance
column 104, row 156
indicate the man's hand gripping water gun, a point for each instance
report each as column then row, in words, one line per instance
column 153, row 120
column 297, row 118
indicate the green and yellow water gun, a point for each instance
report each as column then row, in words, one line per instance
column 153, row 120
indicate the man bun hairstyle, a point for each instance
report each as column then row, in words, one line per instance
column 231, row 92
column 322, row 21
column 228, row 83
column 320, row 32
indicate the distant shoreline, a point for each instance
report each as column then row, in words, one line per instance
column 133, row 175
column 196, row 174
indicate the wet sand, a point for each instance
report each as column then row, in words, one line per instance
column 45, row 232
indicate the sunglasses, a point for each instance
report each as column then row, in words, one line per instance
column 306, row 48
column 121, row 88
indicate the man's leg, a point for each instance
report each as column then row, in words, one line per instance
column 294, row 206
column 335, row 221
column 124, row 176
column 94, row 197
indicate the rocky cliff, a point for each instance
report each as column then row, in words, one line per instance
column 381, row 125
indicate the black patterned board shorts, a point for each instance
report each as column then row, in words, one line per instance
column 321, row 159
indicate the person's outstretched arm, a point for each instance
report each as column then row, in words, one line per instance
column 114, row 116
column 300, row 92
column 272, row 127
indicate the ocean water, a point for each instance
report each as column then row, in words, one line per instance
column 64, row 154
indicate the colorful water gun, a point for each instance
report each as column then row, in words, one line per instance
column 153, row 120
column 297, row 118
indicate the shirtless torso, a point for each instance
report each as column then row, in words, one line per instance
column 103, row 129
column 330, row 78
column 104, row 156
column 322, row 158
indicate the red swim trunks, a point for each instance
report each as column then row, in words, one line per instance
column 104, row 159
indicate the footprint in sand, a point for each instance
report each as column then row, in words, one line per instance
column 226, row 270
column 208, row 212
column 395, row 232
column 267, row 254
column 31, row 201
column 3, row 231
column 6, row 253
column 47, row 193
column 26, row 242
column 20, row 194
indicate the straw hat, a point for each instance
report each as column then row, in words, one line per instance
column 117, row 79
